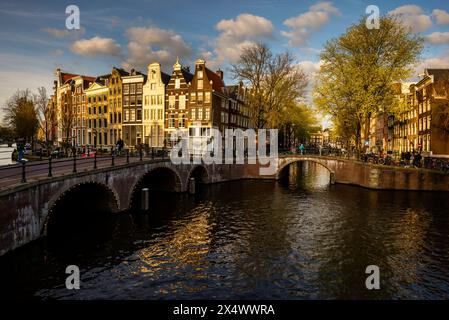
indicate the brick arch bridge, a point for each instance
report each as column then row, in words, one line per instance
column 25, row 207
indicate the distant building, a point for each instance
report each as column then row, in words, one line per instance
column 432, row 93
column 154, row 106
column 97, row 110
column 176, row 102
column 132, row 108
column 115, row 99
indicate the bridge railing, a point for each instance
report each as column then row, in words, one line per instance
column 23, row 171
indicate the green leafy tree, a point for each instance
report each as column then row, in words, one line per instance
column 359, row 68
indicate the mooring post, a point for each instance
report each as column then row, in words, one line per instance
column 127, row 155
column 49, row 167
column 95, row 160
column 23, row 172
column 112, row 156
column 74, row 161
column 145, row 205
column 192, row 185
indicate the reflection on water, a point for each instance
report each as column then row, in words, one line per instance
column 297, row 238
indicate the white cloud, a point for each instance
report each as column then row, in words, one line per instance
column 147, row 45
column 441, row 16
column 96, row 46
column 413, row 16
column 235, row 34
column 310, row 68
column 438, row 38
column 439, row 62
column 408, row 9
column 304, row 24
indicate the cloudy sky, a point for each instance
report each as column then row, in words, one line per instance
column 34, row 40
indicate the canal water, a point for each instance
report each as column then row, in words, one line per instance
column 299, row 238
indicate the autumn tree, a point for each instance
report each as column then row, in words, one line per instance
column 358, row 70
column 274, row 81
column 20, row 115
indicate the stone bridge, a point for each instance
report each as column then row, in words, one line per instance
column 25, row 208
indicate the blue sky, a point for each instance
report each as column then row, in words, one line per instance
column 128, row 34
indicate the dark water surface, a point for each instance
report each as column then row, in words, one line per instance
column 299, row 238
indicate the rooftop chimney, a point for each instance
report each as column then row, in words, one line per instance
column 219, row 73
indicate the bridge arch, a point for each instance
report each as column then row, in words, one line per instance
column 85, row 198
column 157, row 179
column 284, row 164
column 200, row 173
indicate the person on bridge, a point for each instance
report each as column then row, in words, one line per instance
column 119, row 145
column 301, row 149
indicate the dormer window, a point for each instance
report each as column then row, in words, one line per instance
column 177, row 83
column 200, row 74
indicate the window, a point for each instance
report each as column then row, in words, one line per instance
column 126, row 116
column 182, row 102
column 171, row 121
column 146, row 100
column 153, row 86
column 193, row 115
column 200, row 98
column 139, row 88
column 182, row 121
column 200, row 84
column 200, row 74
column 126, row 101
column 207, row 114
column 159, row 114
column 171, row 101
column 132, row 116
column 126, row 88
column 193, row 97
column 153, row 100
column 139, row 100
column 200, row 114
column 207, row 97
column 139, row 114
column 133, row 100
column 159, row 99
column 132, row 88
column 105, row 122
column 177, row 83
